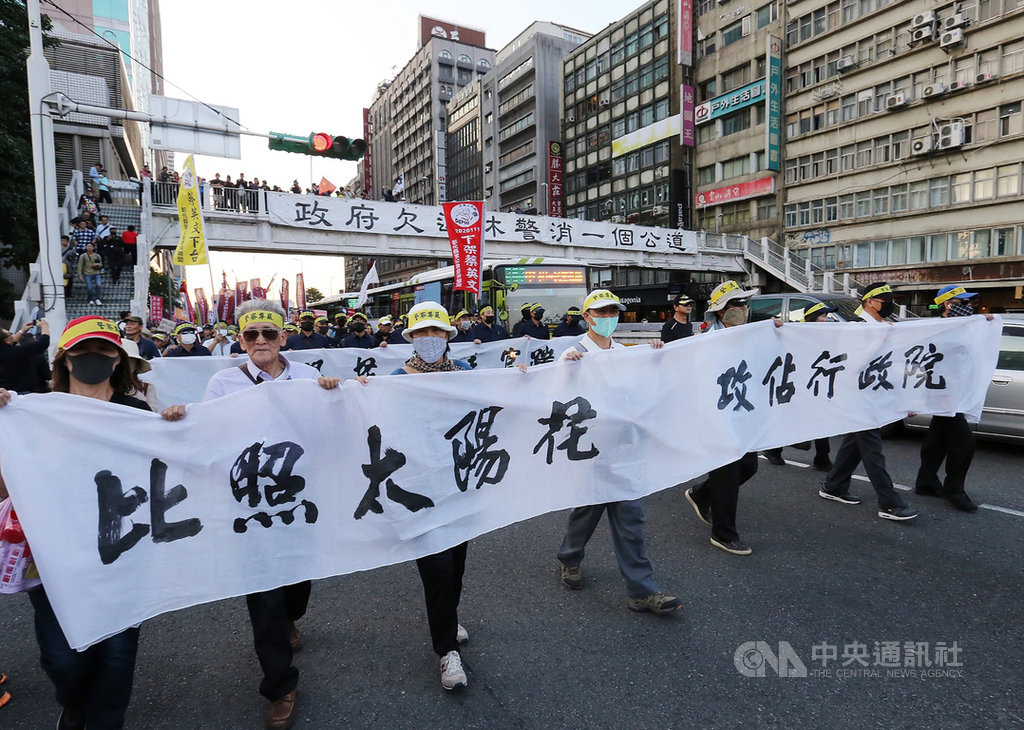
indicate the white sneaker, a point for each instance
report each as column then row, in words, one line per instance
column 453, row 676
column 462, row 636
column 98, row 301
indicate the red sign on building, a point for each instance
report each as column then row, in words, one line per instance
column 367, row 161
column 761, row 186
column 433, row 28
column 464, row 222
column 556, row 205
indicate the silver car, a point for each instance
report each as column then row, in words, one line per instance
column 1003, row 415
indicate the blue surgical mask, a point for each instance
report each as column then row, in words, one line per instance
column 431, row 349
column 605, row 326
column 466, row 324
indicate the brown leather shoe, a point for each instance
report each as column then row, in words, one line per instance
column 281, row 713
column 294, row 636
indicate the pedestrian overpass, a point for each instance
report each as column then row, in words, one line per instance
column 258, row 221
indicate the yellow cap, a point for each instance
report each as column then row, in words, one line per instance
column 602, row 298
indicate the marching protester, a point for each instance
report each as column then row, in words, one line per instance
column 534, row 326
column 386, row 332
column 715, row 499
column 815, row 313
column 625, row 519
column 322, row 326
column 570, row 326
column 360, row 335
column 524, row 318
column 307, row 338
column 142, row 390
column 338, row 330
column 678, row 325
column 17, row 355
column 949, row 438
column 93, row 686
column 272, row 613
column 133, row 331
column 221, row 342
column 188, row 344
column 463, row 322
column 488, row 330
column 430, row 331
column 878, row 304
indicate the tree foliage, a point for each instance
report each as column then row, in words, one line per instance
column 313, row 295
column 19, row 237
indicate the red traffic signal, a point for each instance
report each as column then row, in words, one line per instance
column 321, row 142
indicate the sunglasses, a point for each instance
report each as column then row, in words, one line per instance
column 737, row 303
column 269, row 334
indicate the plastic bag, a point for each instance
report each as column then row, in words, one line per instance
column 17, row 568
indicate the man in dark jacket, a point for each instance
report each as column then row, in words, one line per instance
column 307, row 338
column 488, row 330
column 571, row 327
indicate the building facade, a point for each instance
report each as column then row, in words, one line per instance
column 905, row 141
column 624, row 159
column 408, row 114
column 737, row 185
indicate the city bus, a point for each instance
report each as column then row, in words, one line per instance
column 557, row 284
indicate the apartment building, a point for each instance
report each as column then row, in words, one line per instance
column 905, row 141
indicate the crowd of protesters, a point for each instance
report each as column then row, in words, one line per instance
column 102, row 359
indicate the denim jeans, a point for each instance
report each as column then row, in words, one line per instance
column 92, row 287
column 97, row 681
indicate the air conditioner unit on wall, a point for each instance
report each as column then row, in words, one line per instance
column 956, row 20
column 570, row 118
column 921, row 146
column 925, row 34
column 950, row 135
column 845, row 63
column 896, row 101
column 951, row 38
column 958, row 86
column 925, row 18
column 659, row 210
column 933, row 90
column 985, row 77
column 617, row 219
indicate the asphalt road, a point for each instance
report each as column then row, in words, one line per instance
column 822, row 575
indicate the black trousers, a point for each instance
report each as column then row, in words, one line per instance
column 863, row 446
column 822, row 449
column 949, row 438
column 270, row 613
column 441, row 574
column 721, row 492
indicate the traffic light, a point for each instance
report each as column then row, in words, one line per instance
column 319, row 144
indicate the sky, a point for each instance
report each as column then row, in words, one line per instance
column 302, row 66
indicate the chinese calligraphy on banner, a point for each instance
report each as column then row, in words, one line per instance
column 406, row 219
column 191, row 248
column 300, row 291
column 129, row 523
column 464, row 222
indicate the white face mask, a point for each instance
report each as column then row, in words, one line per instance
column 222, row 332
column 431, row 349
column 187, row 339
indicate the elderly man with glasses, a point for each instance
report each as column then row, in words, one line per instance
column 272, row 613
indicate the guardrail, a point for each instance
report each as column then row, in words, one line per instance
column 214, row 198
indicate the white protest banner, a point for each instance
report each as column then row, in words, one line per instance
column 138, row 516
column 184, row 379
column 407, row 219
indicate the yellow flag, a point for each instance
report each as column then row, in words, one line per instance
column 191, row 248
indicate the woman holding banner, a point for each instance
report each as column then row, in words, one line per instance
column 429, row 331
column 93, row 686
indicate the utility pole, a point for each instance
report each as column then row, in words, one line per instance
column 45, row 175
